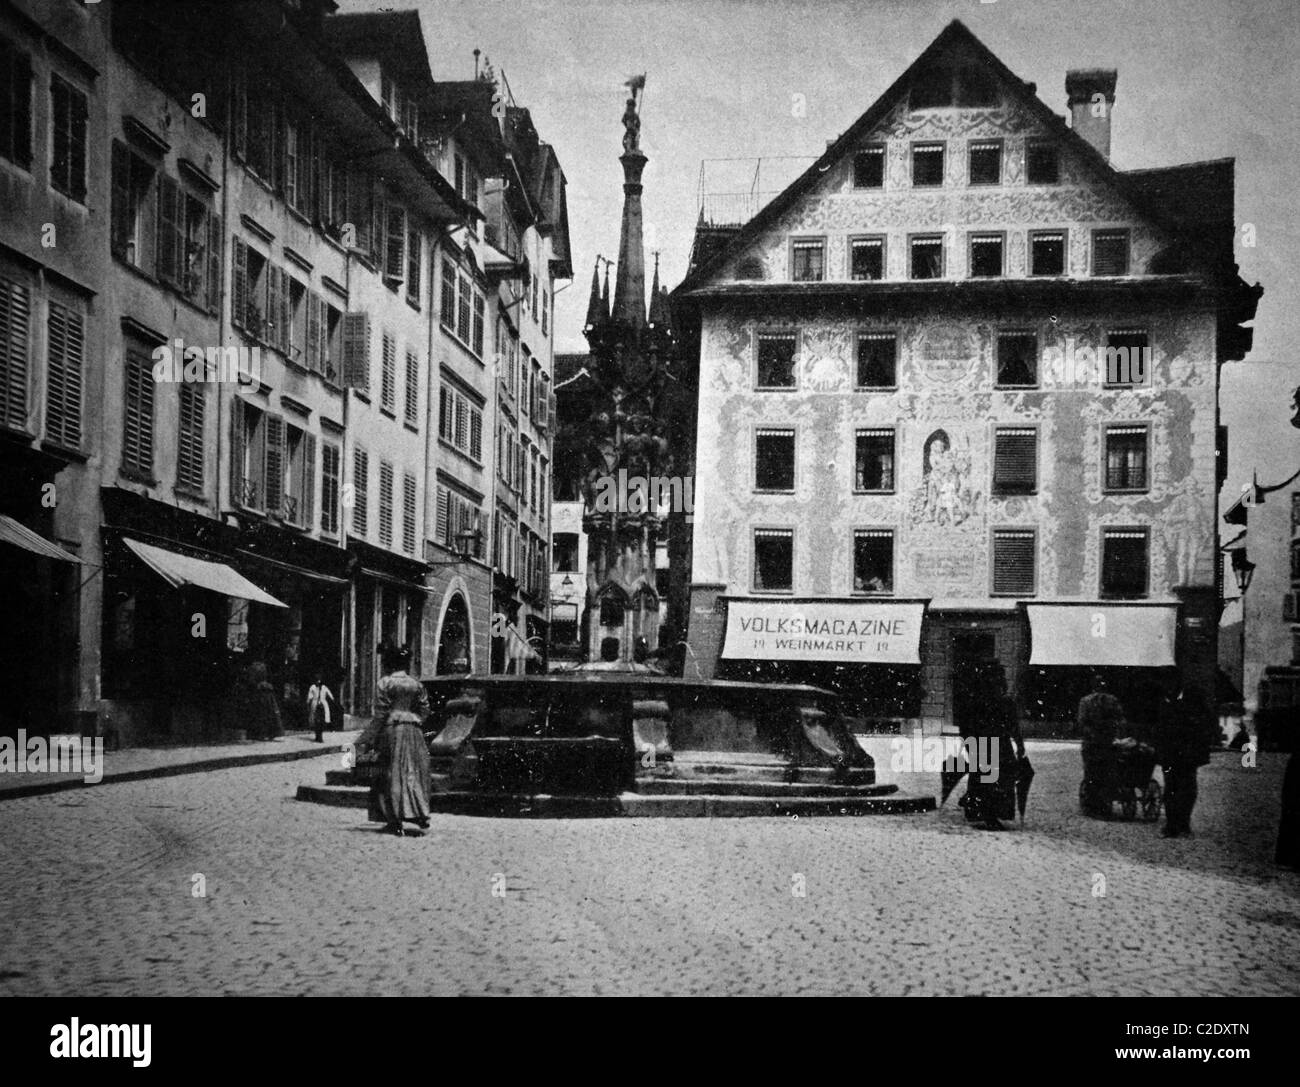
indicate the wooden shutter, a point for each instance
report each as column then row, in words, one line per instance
column 189, row 459
column 15, row 347
column 66, row 335
column 356, row 351
column 395, row 243
column 137, row 423
column 215, row 237
column 408, row 513
column 307, row 488
column 239, row 282
column 476, row 433
column 283, row 317
column 171, row 234
column 461, row 440
column 123, row 218
column 388, row 374
column 274, row 464
column 412, row 388
column 313, row 361
column 360, row 491
column 440, row 524
column 237, row 452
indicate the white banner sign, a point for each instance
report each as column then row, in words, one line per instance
column 871, row 632
column 1140, row 636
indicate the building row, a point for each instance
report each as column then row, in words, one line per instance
column 275, row 358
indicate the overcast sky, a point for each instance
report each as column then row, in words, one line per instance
column 1198, row 79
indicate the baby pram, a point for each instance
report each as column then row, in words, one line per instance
column 1125, row 777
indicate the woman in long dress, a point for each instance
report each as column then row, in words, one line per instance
column 400, row 793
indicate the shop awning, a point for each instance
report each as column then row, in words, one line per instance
column 870, row 632
column 1133, row 635
column 18, row 534
column 177, row 569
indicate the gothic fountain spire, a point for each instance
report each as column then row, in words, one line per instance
column 629, row 287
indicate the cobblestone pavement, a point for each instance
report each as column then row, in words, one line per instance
column 97, row 897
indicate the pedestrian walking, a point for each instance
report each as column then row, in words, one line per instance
column 401, row 790
column 321, row 707
column 1101, row 722
column 1182, row 746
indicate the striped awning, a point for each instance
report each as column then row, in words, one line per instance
column 18, row 534
column 177, row 569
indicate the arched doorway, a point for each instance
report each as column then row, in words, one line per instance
column 453, row 642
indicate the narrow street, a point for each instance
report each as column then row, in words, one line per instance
column 99, row 897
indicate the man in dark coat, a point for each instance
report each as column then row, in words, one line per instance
column 1182, row 746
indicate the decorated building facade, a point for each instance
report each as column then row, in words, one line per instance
column 958, row 391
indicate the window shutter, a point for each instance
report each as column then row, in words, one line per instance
column 170, row 233
column 80, row 117
column 412, row 388
column 356, row 351
column 15, row 345
column 237, row 452
column 137, row 420
column 444, row 413
column 189, row 459
column 313, row 360
column 239, row 113
column 214, row 261
column 360, row 491
column 475, row 433
column 440, row 525
column 239, row 282
column 121, row 212
column 1013, row 562
column 388, row 375
column 274, row 462
column 307, row 497
column 395, row 243
column 1015, row 469
column 283, row 321
column 408, row 513
column 66, row 334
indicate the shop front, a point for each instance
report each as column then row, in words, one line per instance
column 388, row 599
column 868, row 651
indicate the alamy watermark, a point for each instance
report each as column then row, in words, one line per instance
column 949, row 754
column 175, row 363
column 54, row 755
column 623, row 493
column 1079, row 366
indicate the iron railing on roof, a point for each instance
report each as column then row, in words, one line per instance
column 732, row 191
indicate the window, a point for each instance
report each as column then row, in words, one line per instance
column 66, row 339
column 565, row 551
column 873, row 560
column 776, row 360
column 463, row 307
column 247, row 455
column 1017, row 360
column 251, row 292
column 296, row 326
column 297, row 502
column 1047, row 252
column 1014, row 561
column 1124, row 561
column 15, row 105
column 985, row 256
column 385, row 504
column 460, row 422
column 1110, row 252
column 927, row 164
column 1126, row 458
column 869, row 168
column 412, row 388
column 927, row 256
column 294, row 175
column 874, row 461
column 360, row 491
column 171, row 231
column 15, row 352
column 867, row 258
column 189, row 454
column 546, row 309
column 332, row 344
column 70, row 110
column 395, row 244
column 137, row 420
column 1042, row 163
column 985, row 162
column 1015, row 460
column 388, row 375
column 877, row 360
column 773, row 559
column 466, row 180
column 134, row 208
column 408, row 513
column 1128, row 358
column 808, row 260
column 773, row 459
column 413, row 264
column 331, row 460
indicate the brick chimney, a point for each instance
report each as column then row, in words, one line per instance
column 1091, row 95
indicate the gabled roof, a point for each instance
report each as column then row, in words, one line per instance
column 1203, row 182
column 395, row 38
